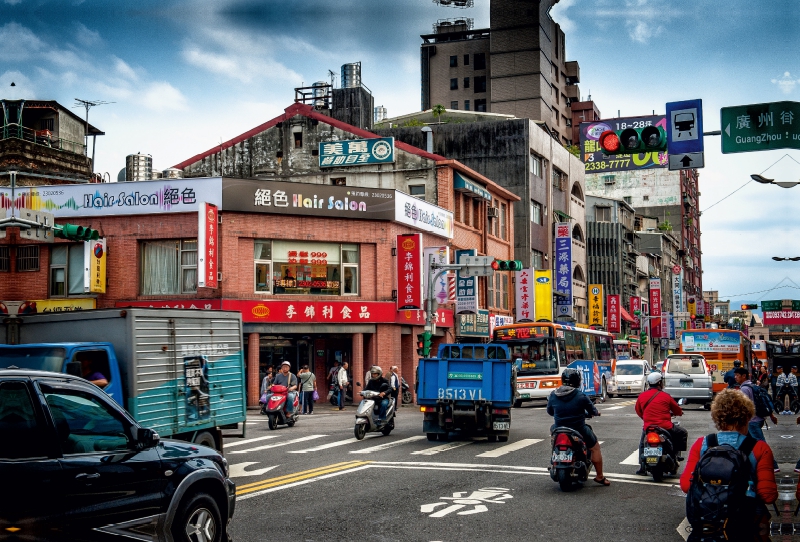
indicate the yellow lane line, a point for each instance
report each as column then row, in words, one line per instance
column 298, row 476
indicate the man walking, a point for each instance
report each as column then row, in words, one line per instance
column 394, row 381
column 344, row 381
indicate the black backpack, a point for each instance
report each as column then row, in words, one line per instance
column 762, row 400
column 717, row 502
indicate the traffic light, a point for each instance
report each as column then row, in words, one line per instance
column 749, row 307
column 633, row 140
column 424, row 344
column 74, row 232
column 507, row 265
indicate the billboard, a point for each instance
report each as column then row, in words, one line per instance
column 409, row 271
column 710, row 341
column 356, row 152
column 543, row 295
column 614, row 316
column 207, row 244
column 655, row 307
column 466, row 288
column 597, row 162
column 595, row 304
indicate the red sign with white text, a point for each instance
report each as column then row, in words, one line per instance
column 409, row 271
column 781, row 318
column 207, row 256
column 636, row 305
column 655, row 307
column 613, row 314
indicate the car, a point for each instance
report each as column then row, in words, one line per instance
column 630, row 377
column 74, row 463
column 687, row 376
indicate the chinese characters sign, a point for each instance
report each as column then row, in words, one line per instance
column 655, row 307
column 597, row 162
column 595, row 304
column 614, row 315
column 473, row 325
column 563, row 270
column 466, row 288
column 760, row 127
column 636, row 305
column 356, row 152
column 423, row 215
column 409, row 271
column 543, row 295
column 677, row 290
column 524, row 302
column 207, row 241
column 94, row 271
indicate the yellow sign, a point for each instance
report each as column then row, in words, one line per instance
column 692, row 306
column 35, row 306
column 94, row 280
column 543, row 295
column 596, row 305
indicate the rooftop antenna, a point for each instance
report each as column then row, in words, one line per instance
column 88, row 104
column 332, row 75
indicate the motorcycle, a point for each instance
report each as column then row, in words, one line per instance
column 367, row 415
column 406, row 392
column 658, row 454
column 275, row 407
column 571, row 461
column 780, row 399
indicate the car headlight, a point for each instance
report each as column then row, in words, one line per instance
column 225, row 467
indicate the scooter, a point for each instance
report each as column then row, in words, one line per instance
column 276, row 407
column 658, row 453
column 367, row 415
column 406, row 389
column 571, row 461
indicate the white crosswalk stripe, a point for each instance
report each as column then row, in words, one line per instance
column 279, row 444
column 248, row 441
column 388, row 445
column 325, row 446
column 508, row 448
column 632, row 459
column 443, row 448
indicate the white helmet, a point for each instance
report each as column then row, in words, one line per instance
column 654, row 378
column 376, row 369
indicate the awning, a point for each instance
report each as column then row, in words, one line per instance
column 626, row 316
column 562, row 216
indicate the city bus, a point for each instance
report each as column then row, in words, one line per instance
column 541, row 350
column 720, row 348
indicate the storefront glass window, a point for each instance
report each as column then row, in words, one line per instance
column 66, row 270
column 303, row 268
column 169, row 267
column 263, row 263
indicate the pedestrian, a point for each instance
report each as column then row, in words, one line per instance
column 267, row 381
column 728, row 376
column 394, row 381
column 731, row 412
column 762, row 379
column 756, row 423
column 308, row 385
column 343, row 381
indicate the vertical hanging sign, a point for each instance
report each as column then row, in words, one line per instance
column 466, row 288
column 655, row 307
column 563, row 256
column 677, row 289
column 523, row 282
column 207, row 254
column 409, row 271
column 543, row 295
column 94, row 266
column 614, row 315
column 636, row 305
column 441, row 255
column 595, row 304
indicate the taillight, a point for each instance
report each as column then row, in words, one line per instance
column 500, row 411
column 427, row 409
column 653, row 438
column 562, row 439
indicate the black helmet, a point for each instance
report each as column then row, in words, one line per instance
column 571, row 377
column 737, row 363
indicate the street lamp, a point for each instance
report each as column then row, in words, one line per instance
column 763, row 180
column 779, row 259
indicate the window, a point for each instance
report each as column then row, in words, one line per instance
column 5, row 259
column 497, row 290
column 537, row 259
column 504, row 293
column 298, row 140
column 417, row 190
column 646, row 197
column 466, row 60
column 536, row 212
column 480, row 61
column 480, row 84
column 627, row 199
column 28, row 258
column 84, row 423
column 169, row 267
column 503, row 210
column 306, row 268
column 457, row 213
column 339, row 181
column 466, row 82
column 536, row 165
column 477, row 221
column 263, row 267
column 466, row 105
column 480, row 105
column 96, row 364
column 20, row 432
column 602, row 214
column 454, row 105
column 454, row 61
column 46, row 124
column 66, row 270
column 454, row 83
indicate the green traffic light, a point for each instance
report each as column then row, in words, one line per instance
column 507, row 265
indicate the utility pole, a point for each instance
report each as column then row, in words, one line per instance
column 88, row 104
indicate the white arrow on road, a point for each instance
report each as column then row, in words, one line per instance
column 237, row 469
column 632, row 459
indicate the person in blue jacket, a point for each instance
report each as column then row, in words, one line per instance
column 570, row 408
column 728, row 377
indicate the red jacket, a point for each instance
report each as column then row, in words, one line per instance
column 659, row 411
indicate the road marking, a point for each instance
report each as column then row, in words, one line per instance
column 614, row 407
column 508, row 448
column 248, row 441
column 288, row 480
column 380, row 447
column 325, row 446
column 268, row 446
column 237, row 469
column 632, row 459
column 443, row 448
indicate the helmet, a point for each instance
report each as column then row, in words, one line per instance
column 376, row 369
column 737, row 363
column 571, row 377
column 654, row 378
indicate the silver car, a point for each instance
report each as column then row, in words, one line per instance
column 686, row 376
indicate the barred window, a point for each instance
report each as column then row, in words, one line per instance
column 28, row 258
column 5, row 259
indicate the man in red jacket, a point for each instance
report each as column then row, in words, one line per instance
column 656, row 407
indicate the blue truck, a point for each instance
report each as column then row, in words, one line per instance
column 467, row 389
column 178, row 372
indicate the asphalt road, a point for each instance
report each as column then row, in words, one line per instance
column 315, row 482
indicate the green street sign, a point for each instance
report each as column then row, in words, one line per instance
column 771, row 305
column 760, row 127
column 464, row 376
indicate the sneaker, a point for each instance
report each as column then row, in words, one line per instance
column 641, row 472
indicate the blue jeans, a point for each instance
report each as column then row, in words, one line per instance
column 308, row 402
column 290, row 401
column 383, row 407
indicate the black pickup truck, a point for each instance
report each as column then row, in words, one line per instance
column 76, row 466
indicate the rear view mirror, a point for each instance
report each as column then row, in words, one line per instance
column 147, row 438
column 74, row 369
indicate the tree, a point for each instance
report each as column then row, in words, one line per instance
column 438, row 110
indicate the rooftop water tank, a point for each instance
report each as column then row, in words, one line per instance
column 138, row 167
column 319, row 90
column 172, row 173
column 351, row 75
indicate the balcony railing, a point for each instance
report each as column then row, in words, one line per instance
column 41, row 137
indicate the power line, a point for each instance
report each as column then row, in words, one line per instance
column 778, row 286
column 748, row 182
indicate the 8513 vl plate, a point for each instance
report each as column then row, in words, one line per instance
column 501, row 426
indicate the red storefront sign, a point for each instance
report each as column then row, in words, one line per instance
column 409, row 271
column 442, row 318
column 207, row 255
column 613, row 315
column 199, row 304
column 781, row 318
column 655, row 308
column 636, row 305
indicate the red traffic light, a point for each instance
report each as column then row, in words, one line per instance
column 609, row 141
column 495, row 265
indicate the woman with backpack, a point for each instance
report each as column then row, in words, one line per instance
column 733, row 469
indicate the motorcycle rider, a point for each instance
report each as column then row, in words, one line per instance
column 381, row 385
column 656, row 407
column 286, row 378
column 728, row 377
column 786, row 378
column 570, row 407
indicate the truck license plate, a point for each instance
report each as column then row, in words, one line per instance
column 501, row 426
column 652, row 452
column 565, row 456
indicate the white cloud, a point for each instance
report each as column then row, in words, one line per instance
column 18, row 43
column 644, row 19
column 559, row 15
column 122, row 68
column 161, row 96
column 87, row 37
column 786, row 83
column 13, row 2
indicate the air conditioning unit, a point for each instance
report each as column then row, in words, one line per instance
column 492, row 212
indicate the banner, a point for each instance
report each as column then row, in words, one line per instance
column 473, row 325
column 596, row 305
column 523, row 287
column 691, row 305
column 677, row 289
column 711, row 341
column 563, row 269
column 543, row 295
column 701, row 307
column 409, row 271
column 441, row 255
column 636, row 305
column 496, row 320
column 466, row 288
column 597, row 162
column 655, row 308
column 207, row 242
column 781, row 318
column 614, row 316
column 422, row 215
column 665, row 318
column 94, row 266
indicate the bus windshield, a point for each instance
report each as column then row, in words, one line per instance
column 38, row 358
column 535, row 357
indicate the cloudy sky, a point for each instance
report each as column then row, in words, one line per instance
column 187, row 74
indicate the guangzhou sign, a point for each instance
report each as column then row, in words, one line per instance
column 597, row 162
column 760, row 127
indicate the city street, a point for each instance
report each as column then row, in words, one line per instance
column 317, row 482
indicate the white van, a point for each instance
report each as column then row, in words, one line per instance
column 630, row 377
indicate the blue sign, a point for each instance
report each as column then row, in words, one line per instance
column 460, row 184
column 684, row 127
column 356, row 152
column 563, row 271
column 466, row 288
column 671, row 326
